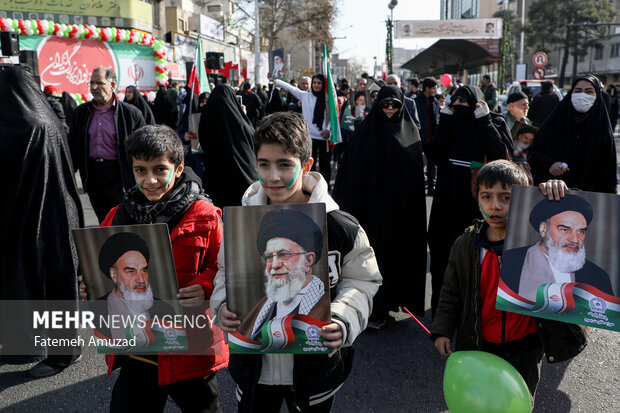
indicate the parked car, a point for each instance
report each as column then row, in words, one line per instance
column 534, row 86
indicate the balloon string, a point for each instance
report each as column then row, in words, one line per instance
column 416, row 319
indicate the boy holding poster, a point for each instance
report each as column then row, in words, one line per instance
column 307, row 383
column 166, row 192
column 467, row 300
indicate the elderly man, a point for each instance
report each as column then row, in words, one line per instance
column 361, row 84
column 290, row 243
column 97, row 140
column 394, row 80
column 560, row 255
column 516, row 116
column 123, row 258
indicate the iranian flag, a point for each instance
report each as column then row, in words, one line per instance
column 198, row 80
column 331, row 101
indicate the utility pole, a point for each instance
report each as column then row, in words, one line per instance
column 256, row 44
column 389, row 46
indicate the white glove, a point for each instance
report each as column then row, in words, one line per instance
column 447, row 110
column 481, row 110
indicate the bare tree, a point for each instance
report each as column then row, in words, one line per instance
column 310, row 19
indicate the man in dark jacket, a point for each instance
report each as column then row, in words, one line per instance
column 98, row 132
column 543, row 104
column 428, row 113
column 253, row 104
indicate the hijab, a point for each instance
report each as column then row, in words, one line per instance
column 381, row 183
column 226, row 137
column 140, row 102
column 584, row 141
column 319, row 109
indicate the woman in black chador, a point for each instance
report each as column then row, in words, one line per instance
column 576, row 142
column 465, row 134
column 226, row 137
column 381, row 183
column 133, row 96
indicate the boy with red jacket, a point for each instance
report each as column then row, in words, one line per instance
column 167, row 192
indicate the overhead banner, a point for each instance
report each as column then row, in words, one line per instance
column 449, row 29
column 67, row 63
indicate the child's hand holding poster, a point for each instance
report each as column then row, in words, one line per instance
column 277, row 278
column 131, row 282
column 558, row 261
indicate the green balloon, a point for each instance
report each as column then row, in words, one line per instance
column 475, row 382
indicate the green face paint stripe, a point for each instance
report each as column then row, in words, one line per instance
column 137, row 184
column 484, row 213
column 294, row 178
column 169, row 178
column 260, row 178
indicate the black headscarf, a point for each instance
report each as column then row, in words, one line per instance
column 584, row 141
column 275, row 103
column 381, row 183
column 162, row 109
column 40, row 205
column 460, row 137
column 226, row 137
column 68, row 105
column 140, row 102
column 319, row 109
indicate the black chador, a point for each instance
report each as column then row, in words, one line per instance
column 381, row 183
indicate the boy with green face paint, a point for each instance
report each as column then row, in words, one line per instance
column 307, row 382
column 168, row 192
column 467, row 301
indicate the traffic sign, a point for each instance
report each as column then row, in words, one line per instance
column 539, row 73
column 540, row 58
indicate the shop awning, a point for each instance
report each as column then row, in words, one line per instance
column 448, row 56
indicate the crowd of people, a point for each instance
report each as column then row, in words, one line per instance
column 144, row 162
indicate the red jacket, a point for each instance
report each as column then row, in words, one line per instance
column 195, row 244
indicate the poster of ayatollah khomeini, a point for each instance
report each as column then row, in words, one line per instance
column 277, row 279
column 131, row 285
column 559, row 259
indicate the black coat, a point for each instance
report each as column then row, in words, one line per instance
column 39, row 209
column 541, row 107
column 127, row 118
column 253, row 106
column 226, row 137
column 467, row 139
column 381, row 183
column 421, row 102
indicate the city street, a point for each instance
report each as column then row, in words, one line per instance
column 396, row 369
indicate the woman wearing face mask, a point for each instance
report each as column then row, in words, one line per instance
column 576, row 142
column 381, row 183
column 465, row 135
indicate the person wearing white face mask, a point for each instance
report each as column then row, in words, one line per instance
column 576, row 142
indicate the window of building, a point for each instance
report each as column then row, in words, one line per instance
column 614, row 51
column 155, row 7
column 598, row 51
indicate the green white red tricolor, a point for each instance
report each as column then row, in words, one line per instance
column 335, row 136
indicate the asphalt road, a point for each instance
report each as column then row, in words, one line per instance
column 396, row 369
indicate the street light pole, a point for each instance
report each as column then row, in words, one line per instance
column 390, row 35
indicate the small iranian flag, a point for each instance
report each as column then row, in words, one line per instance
column 331, row 100
column 198, row 80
